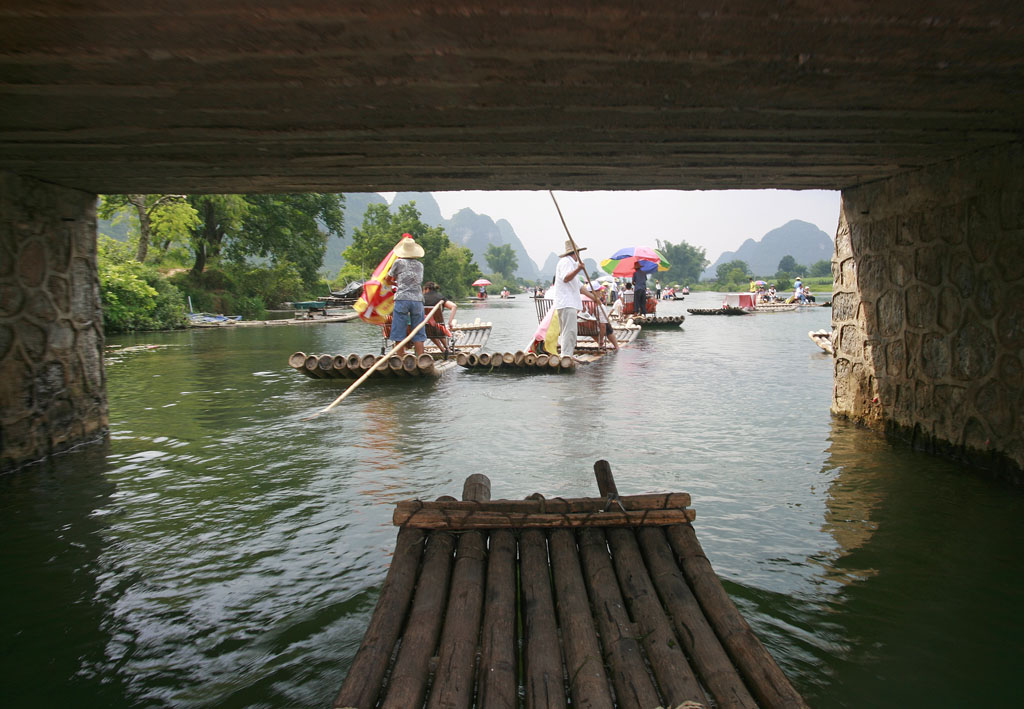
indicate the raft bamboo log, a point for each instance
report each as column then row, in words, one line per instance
column 633, row 686
column 543, row 659
column 367, row 361
column 341, row 368
column 762, row 674
column 567, row 362
column 356, row 383
column 519, row 358
column 589, row 685
column 406, row 509
column 353, row 361
column 325, row 363
column 554, row 362
column 508, row 358
column 453, row 682
column 497, row 676
column 462, row 359
column 473, row 360
column 530, row 359
column 425, row 363
column 395, row 364
column 541, row 360
column 698, row 638
column 297, row 360
column 408, row 684
column 362, row 684
column 312, row 367
column 675, row 677
column 484, row 359
column 410, row 365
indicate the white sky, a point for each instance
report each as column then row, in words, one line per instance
column 717, row 220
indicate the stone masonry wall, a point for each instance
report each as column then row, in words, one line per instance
column 52, row 380
column 928, row 308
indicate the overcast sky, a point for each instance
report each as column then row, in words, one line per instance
column 717, row 220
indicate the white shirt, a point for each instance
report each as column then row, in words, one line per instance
column 566, row 295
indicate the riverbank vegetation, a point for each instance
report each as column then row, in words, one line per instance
column 736, row 275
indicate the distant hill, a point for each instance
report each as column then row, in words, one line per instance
column 803, row 241
column 355, row 208
column 474, row 231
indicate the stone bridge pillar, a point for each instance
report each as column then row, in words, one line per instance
column 928, row 309
column 52, row 381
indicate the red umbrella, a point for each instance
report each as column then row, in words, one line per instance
column 481, row 282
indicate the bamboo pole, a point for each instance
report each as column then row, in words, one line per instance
column 453, row 683
column 588, row 683
column 408, row 683
column 363, row 378
column 498, row 686
column 675, row 677
column 763, row 675
column 692, row 628
column 575, row 248
column 543, row 657
column 634, row 688
column 362, row 684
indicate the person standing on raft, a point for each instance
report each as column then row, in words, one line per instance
column 407, row 276
column 565, row 297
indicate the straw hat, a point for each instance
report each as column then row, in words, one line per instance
column 407, row 248
column 569, row 249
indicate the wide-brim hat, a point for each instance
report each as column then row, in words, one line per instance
column 408, row 248
column 569, row 249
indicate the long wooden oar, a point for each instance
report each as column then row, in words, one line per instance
column 379, row 363
column 580, row 258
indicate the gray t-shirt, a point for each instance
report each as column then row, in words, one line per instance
column 408, row 275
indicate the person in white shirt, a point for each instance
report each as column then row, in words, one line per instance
column 565, row 297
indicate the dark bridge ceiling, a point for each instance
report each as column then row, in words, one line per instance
column 289, row 95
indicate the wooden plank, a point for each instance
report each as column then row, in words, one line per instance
column 537, row 503
column 765, row 678
column 584, row 666
column 362, row 684
column 675, row 678
column 692, row 628
column 634, row 688
column 453, row 683
column 543, row 657
column 408, row 683
column 497, row 674
column 471, row 519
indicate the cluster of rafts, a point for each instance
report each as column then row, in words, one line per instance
column 465, row 348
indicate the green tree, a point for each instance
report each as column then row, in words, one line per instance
column 134, row 296
column 289, row 227
column 451, row 266
column 688, row 262
column 502, row 259
column 159, row 219
column 220, row 215
column 727, row 272
column 789, row 265
column 821, row 268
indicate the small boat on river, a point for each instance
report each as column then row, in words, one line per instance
column 718, row 311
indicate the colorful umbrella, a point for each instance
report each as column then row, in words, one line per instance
column 481, row 282
column 623, row 262
column 760, row 283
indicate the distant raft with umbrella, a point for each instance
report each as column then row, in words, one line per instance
column 481, row 283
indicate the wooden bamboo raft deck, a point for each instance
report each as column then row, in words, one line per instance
column 516, row 362
column 597, row 602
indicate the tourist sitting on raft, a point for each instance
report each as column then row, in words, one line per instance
column 431, row 297
column 604, row 328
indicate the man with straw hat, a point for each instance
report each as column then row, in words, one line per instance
column 407, row 276
column 565, row 296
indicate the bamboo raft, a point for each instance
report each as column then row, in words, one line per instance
column 597, row 602
column 717, row 311
column 432, row 363
column 517, row 362
column 654, row 321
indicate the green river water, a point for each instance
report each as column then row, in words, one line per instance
column 218, row 551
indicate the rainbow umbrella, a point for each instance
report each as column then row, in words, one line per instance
column 623, row 262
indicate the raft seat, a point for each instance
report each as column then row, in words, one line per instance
column 595, row 602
